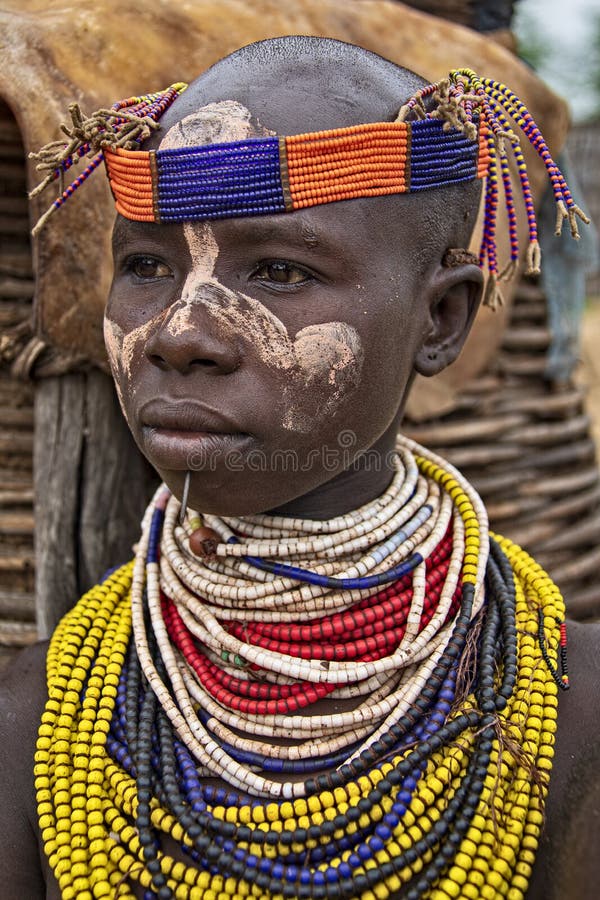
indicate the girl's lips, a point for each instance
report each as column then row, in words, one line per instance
column 185, row 416
column 177, row 448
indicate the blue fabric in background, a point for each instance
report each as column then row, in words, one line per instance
column 565, row 263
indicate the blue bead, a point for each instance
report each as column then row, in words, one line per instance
column 318, row 854
column 291, row 874
column 326, row 581
column 383, row 832
column 364, row 852
column 344, row 870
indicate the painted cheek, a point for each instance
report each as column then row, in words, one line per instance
column 328, row 363
column 134, row 345
column 125, row 350
column 113, row 341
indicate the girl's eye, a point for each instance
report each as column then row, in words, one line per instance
column 148, row 267
column 282, row 272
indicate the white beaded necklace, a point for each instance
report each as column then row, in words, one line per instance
column 412, row 516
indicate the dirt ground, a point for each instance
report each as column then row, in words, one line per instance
column 589, row 373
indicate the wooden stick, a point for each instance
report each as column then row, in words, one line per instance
column 551, row 432
column 17, row 634
column 16, row 442
column 483, row 455
column 16, row 416
column 16, row 523
column 509, row 509
column 584, row 564
column 522, row 365
column 562, row 484
column 462, row 432
column 17, row 605
column 15, row 288
column 17, row 498
column 523, row 338
column 576, row 535
column 542, row 403
column 574, row 505
column 16, row 562
column 584, row 603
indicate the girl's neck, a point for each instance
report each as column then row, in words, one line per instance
column 368, row 476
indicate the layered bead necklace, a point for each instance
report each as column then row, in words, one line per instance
column 182, row 698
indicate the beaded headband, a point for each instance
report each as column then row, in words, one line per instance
column 463, row 136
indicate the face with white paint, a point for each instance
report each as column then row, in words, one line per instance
column 267, row 354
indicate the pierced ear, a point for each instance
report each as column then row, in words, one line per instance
column 454, row 298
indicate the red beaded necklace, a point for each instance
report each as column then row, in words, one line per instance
column 371, row 629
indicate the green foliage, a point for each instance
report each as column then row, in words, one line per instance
column 593, row 66
column 533, row 46
column 571, row 66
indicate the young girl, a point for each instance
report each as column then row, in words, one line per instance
column 321, row 676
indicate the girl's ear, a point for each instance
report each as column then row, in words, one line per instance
column 454, row 297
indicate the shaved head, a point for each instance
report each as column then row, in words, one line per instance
column 297, row 84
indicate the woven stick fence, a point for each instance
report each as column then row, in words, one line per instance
column 525, row 444
column 17, row 603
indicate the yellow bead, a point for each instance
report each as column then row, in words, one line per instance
column 286, row 811
column 496, row 880
column 519, row 883
column 476, row 877
column 449, row 887
column 313, row 804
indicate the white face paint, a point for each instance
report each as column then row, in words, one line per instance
column 322, row 363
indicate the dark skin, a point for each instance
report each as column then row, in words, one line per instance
column 187, row 307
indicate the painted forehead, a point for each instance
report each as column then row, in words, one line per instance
column 215, row 123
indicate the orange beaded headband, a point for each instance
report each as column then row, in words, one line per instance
column 268, row 175
column 449, row 132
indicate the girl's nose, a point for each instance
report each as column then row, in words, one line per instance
column 190, row 336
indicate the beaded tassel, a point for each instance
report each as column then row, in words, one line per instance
column 499, row 104
column 127, row 124
column 440, row 797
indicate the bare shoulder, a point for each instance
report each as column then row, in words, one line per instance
column 568, row 865
column 22, row 698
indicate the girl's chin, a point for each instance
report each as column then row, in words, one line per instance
column 226, row 493
column 196, row 451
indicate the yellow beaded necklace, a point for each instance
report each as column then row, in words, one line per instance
column 88, row 803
